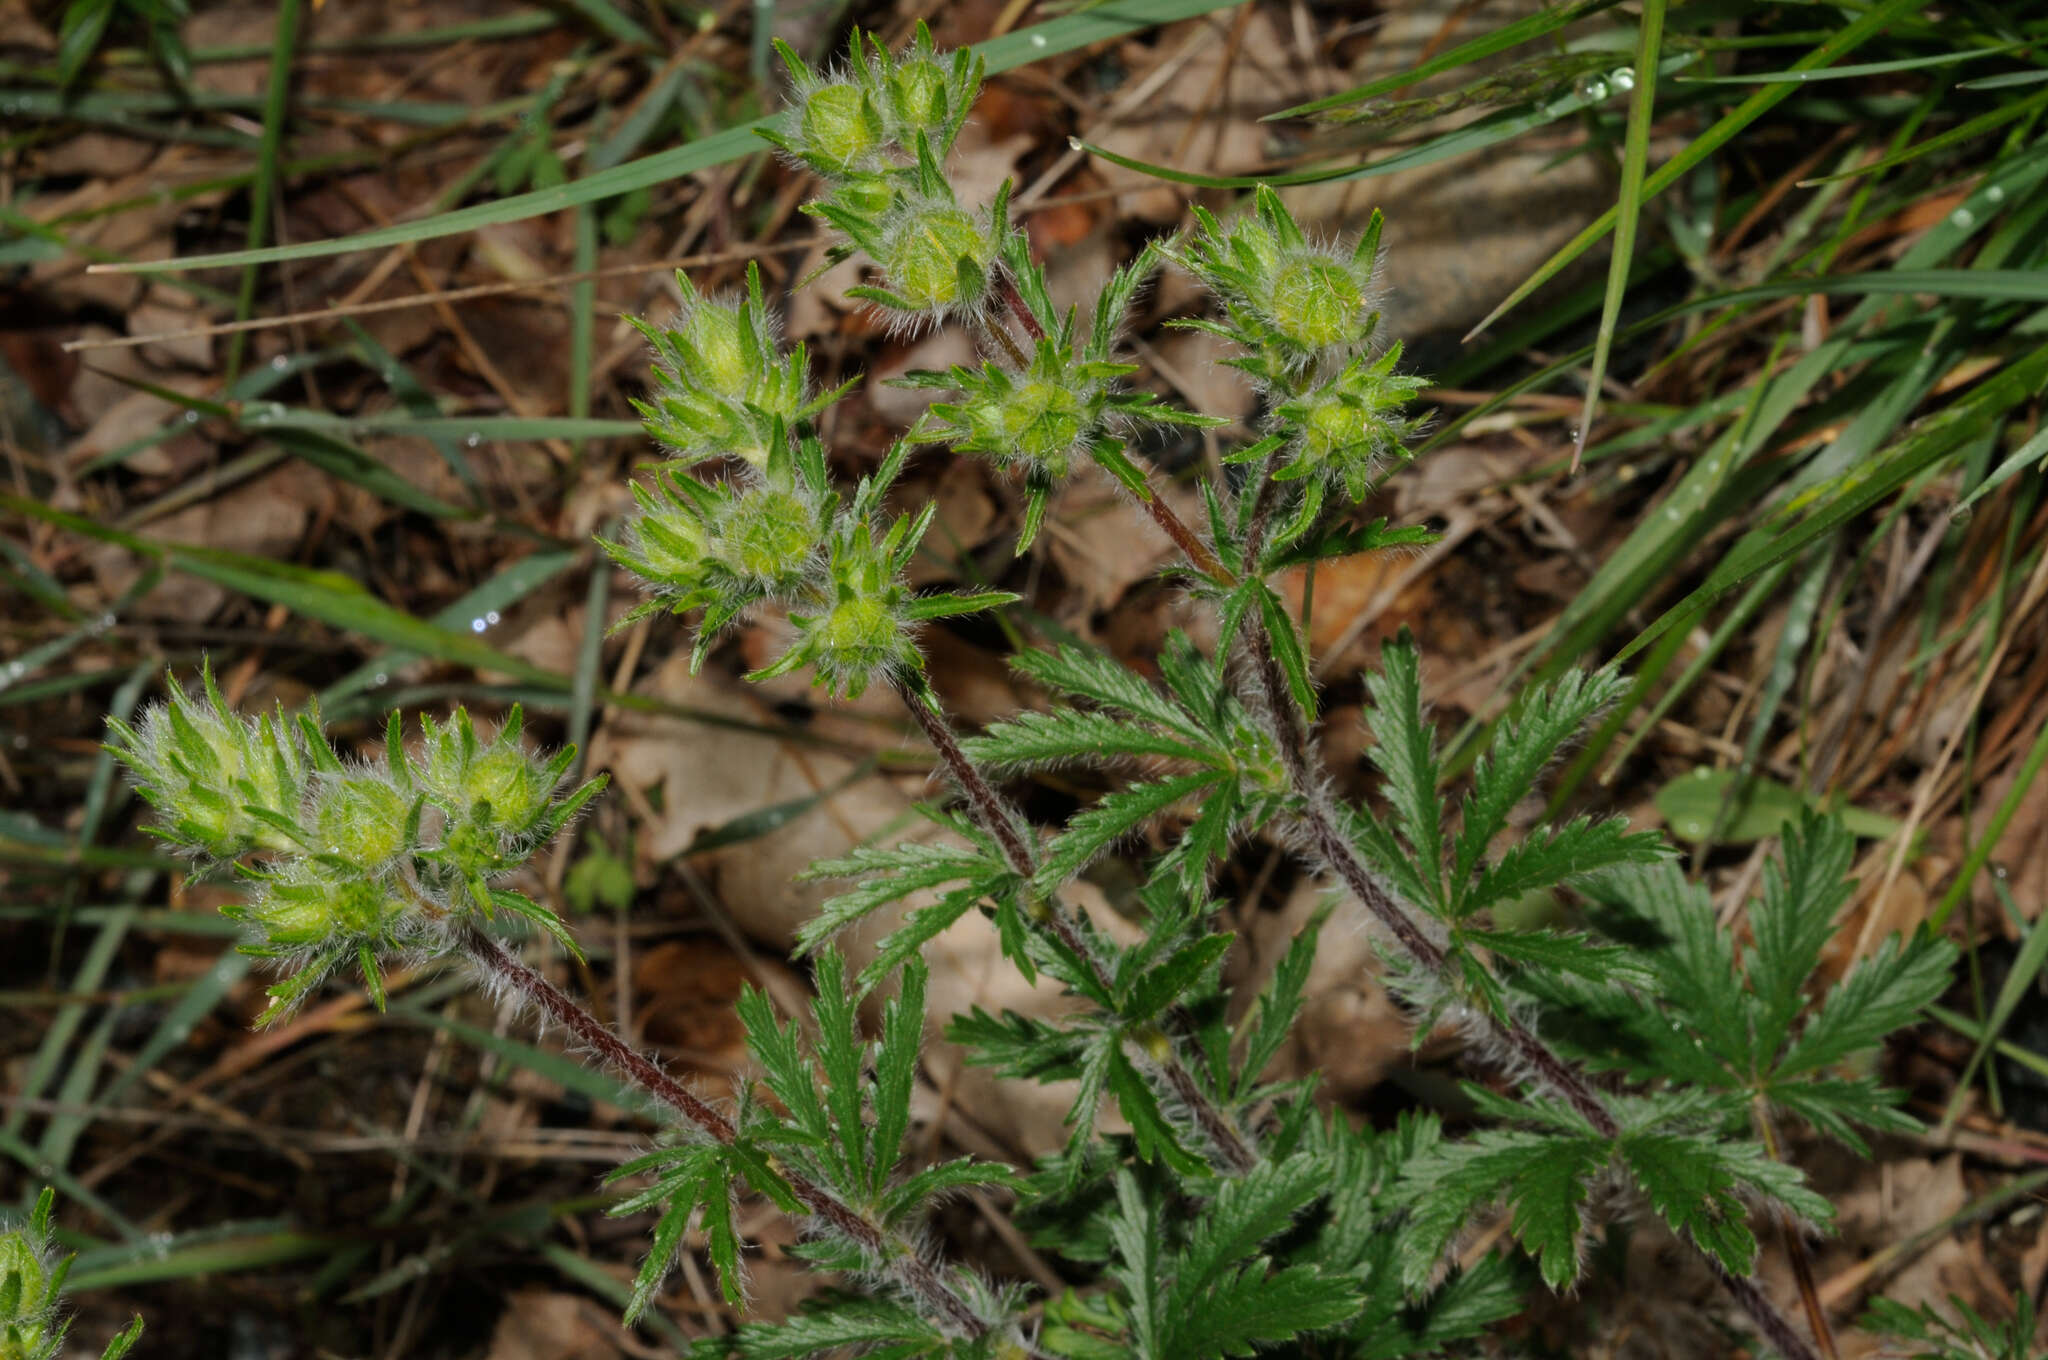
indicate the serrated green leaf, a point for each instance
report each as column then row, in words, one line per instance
column 1547, row 857
column 1880, row 994
column 1167, row 982
column 1567, row 952
column 1112, row 817
column 1546, row 719
column 1404, row 750
column 1542, row 1177
column 1035, row 739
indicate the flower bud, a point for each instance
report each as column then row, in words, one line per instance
column 769, row 537
column 666, row 545
column 1037, row 420
column 917, row 95
column 503, row 777
column 840, row 129
column 1316, row 302
column 936, row 257
column 1300, row 308
column 202, row 766
column 25, row 1279
column 363, row 818
column 309, row 904
column 1344, row 427
column 861, row 634
column 719, row 338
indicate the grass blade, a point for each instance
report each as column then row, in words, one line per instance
column 1097, row 24
column 1705, row 145
column 1628, row 210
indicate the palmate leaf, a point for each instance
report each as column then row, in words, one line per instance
column 1542, row 1176
column 1206, row 841
column 1671, row 924
column 1188, row 968
column 1566, row 952
column 689, row 1179
column 1730, row 1023
column 1523, row 744
column 828, row 1326
column 1881, row 994
column 1086, row 674
column 1265, row 1031
column 1033, row 740
column 1134, row 1233
column 1019, row 1045
column 1218, row 1295
column 1242, row 1214
column 892, row 874
column 1839, row 1108
column 1253, row 1306
column 1696, row 1182
column 919, row 928
column 1795, row 917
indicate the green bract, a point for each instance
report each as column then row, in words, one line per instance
column 1341, row 431
column 935, row 256
column 226, row 785
column 31, row 1281
column 1295, row 306
column 867, row 119
column 857, row 619
column 724, row 387
column 1069, row 403
column 839, row 130
column 27, row 1303
column 361, row 861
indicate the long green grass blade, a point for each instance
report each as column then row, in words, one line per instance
column 1963, row 132
column 1500, row 40
column 1628, row 210
column 1854, row 70
column 1860, row 489
column 1848, row 38
column 1098, row 23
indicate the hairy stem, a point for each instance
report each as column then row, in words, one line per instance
column 992, row 812
column 934, row 1296
column 1319, row 819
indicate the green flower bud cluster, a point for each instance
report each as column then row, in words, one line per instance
column 31, row 1283
column 937, row 259
column 351, row 861
column 1066, row 405
column 784, row 537
column 723, row 386
column 723, row 548
column 1343, row 429
column 223, row 785
column 1296, row 307
column 877, row 134
column 869, row 118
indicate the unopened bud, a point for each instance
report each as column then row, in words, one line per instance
column 937, row 257
column 840, row 128
column 364, row 819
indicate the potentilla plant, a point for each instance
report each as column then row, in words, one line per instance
column 32, row 1274
column 1638, row 1061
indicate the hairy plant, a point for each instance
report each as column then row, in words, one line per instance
column 32, row 1275
column 1638, row 1058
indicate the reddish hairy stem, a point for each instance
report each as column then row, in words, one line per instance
column 1318, row 818
column 937, row 1298
column 993, row 814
